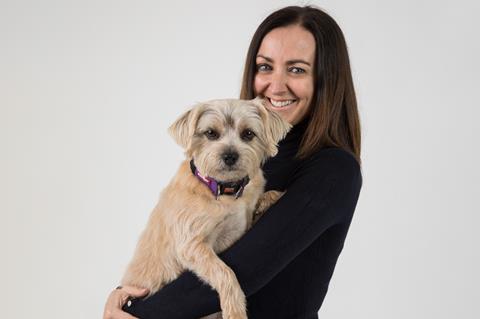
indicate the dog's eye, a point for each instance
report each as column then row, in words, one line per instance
column 247, row 135
column 211, row 134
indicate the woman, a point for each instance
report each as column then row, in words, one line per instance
column 298, row 62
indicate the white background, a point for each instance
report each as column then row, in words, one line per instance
column 88, row 89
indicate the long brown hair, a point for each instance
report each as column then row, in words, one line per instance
column 333, row 115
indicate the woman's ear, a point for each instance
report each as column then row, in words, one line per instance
column 275, row 126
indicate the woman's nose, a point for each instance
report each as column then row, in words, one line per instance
column 278, row 83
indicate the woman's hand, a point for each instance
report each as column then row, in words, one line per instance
column 116, row 300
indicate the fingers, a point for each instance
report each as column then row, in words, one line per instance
column 116, row 300
column 134, row 291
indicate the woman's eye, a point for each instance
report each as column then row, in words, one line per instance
column 247, row 135
column 212, row 134
column 296, row 70
column 263, row 67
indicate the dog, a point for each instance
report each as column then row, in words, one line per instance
column 211, row 200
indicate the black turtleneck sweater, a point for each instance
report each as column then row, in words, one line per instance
column 285, row 261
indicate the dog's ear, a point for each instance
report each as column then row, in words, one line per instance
column 183, row 128
column 275, row 126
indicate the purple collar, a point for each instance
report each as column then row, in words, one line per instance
column 221, row 188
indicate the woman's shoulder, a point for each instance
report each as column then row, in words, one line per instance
column 332, row 158
column 328, row 165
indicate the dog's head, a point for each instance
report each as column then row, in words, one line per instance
column 229, row 139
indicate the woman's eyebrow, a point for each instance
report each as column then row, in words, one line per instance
column 289, row 62
column 297, row 61
column 264, row 57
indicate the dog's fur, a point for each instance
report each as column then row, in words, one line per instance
column 189, row 226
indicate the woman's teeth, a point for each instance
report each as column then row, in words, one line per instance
column 281, row 103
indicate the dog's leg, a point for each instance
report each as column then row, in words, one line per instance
column 199, row 257
column 264, row 202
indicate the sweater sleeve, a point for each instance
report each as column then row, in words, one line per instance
column 323, row 193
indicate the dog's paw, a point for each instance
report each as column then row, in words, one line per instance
column 265, row 201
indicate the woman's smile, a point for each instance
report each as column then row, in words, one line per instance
column 281, row 103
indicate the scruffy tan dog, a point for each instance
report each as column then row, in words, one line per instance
column 210, row 202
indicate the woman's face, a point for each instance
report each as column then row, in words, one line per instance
column 285, row 62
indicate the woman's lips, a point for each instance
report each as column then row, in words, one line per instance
column 281, row 104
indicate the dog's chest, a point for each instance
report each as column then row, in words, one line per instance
column 232, row 227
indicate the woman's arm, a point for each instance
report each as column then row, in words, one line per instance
column 324, row 193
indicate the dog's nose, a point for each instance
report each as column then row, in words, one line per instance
column 230, row 158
